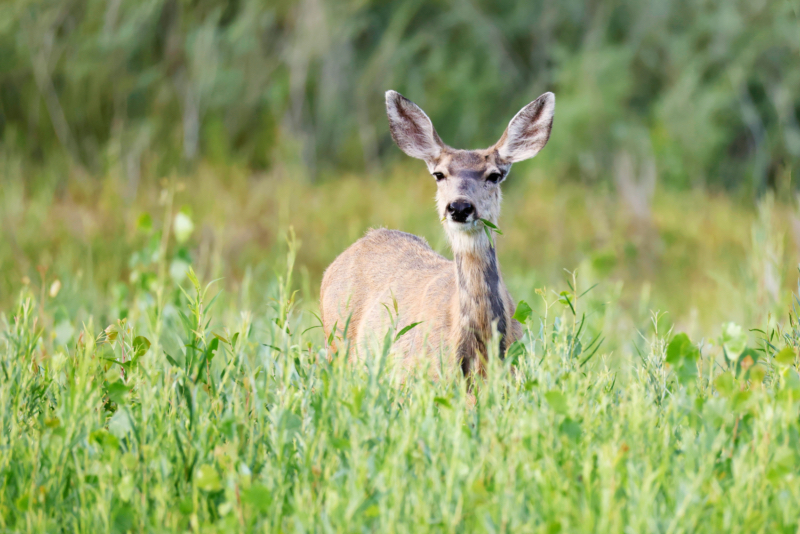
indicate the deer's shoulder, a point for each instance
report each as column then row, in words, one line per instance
column 397, row 240
column 385, row 236
column 394, row 250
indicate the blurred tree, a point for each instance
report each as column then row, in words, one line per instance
column 707, row 89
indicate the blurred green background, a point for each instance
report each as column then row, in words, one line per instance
column 670, row 177
column 708, row 90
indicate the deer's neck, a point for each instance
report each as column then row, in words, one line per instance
column 480, row 304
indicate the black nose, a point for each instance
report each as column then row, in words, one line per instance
column 460, row 210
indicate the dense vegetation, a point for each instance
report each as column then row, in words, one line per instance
column 706, row 89
column 188, row 416
column 134, row 397
column 161, row 362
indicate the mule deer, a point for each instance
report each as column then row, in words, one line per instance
column 458, row 303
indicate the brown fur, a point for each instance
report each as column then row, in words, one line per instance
column 459, row 303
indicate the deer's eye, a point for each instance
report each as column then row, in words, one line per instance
column 439, row 176
column 494, row 177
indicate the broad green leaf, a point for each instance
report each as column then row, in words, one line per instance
column 557, row 401
column 117, row 391
column 112, row 332
column 686, row 371
column 522, row 312
column 792, row 380
column 565, row 298
column 291, row 423
column 105, row 439
column 740, row 400
column 676, row 348
column 514, row 351
column 257, row 496
column 340, row 444
column 52, row 422
column 681, row 348
column 182, row 226
column 724, row 383
column 129, row 461
column 140, row 345
column 207, row 478
column 444, row 403
column 22, row 502
column 124, row 517
column 733, row 339
column 120, row 424
column 212, row 348
column 144, row 223
column 530, row 384
column 125, row 487
column 571, row 428
column 781, row 464
column 786, row 356
column 757, row 374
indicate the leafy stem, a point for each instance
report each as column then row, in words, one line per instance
column 490, row 227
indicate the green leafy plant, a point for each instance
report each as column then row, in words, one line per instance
column 488, row 228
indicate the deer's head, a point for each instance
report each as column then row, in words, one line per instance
column 468, row 181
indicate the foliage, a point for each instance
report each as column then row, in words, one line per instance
column 704, row 257
column 191, row 413
column 703, row 90
column 227, row 424
column 162, row 366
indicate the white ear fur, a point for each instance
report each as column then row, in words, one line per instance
column 529, row 130
column 411, row 128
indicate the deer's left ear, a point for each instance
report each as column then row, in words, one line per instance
column 528, row 131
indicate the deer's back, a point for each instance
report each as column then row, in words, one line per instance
column 381, row 268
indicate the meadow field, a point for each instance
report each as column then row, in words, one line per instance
column 163, row 368
column 176, row 175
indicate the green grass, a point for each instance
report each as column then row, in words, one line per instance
column 135, row 397
column 250, row 424
column 657, row 386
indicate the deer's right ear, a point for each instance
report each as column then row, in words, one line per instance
column 411, row 129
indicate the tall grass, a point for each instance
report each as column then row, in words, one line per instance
column 175, row 176
column 208, row 412
column 704, row 257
